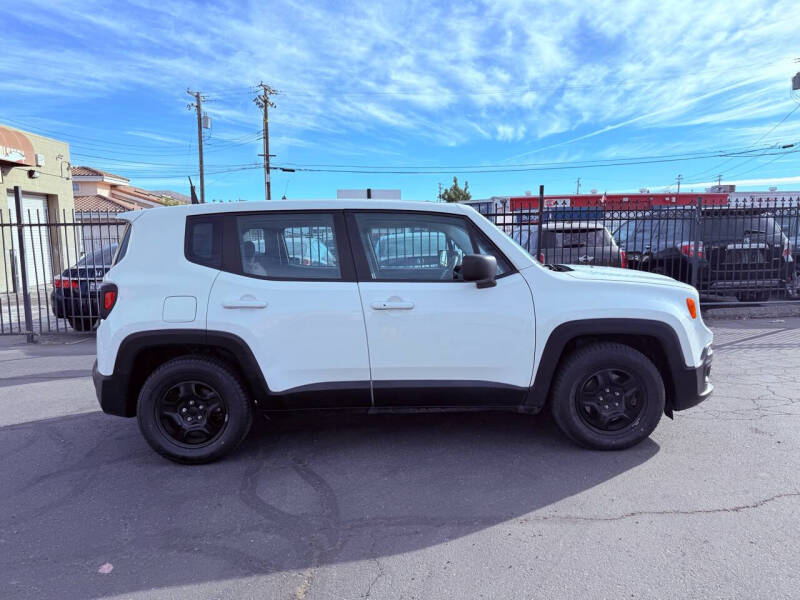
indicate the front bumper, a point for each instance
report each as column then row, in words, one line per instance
column 111, row 393
column 693, row 385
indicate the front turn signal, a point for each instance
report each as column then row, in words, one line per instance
column 690, row 304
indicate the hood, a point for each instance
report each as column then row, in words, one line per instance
column 587, row 273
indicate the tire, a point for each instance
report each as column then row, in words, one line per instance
column 583, row 400
column 753, row 296
column 202, row 391
column 83, row 323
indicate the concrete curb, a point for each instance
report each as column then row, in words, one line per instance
column 766, row 311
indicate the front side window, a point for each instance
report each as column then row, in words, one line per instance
column 288, row 246
column 419, row 247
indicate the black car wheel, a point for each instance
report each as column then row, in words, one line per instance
column 194, row 410
column 83, row 323
column 607, row 396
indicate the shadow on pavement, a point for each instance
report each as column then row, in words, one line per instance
column 80, row 491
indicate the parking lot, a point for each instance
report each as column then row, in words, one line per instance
column 486, row 505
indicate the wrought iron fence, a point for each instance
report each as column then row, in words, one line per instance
column 740, row 251
column 52, row 264
column 51, row 267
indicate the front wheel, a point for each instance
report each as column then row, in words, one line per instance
column 194, row 410
column 607, row 396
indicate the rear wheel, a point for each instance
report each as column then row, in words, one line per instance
column 83, row 323
column 194, row 410
column 607, row 396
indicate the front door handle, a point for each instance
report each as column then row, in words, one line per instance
column 392, row 304
column 244, row 302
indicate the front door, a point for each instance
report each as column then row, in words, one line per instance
column 435, row 340
column 291, row 294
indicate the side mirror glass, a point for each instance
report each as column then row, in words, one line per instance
column 480, row 269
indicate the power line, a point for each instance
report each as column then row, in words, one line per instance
column 724, row 162
column 504, row 169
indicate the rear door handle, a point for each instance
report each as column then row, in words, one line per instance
column 392, row 305
column 244, row 302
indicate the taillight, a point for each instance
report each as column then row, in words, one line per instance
column 109, row 295
column 688, row 249
column 541, row 258
column 65, row 283
column 623, row 258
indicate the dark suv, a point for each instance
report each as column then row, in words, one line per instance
column 571, row 243
column 75, row 292
column 733, row 251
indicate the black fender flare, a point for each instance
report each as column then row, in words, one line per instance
column 122, row 386
column 670, row 362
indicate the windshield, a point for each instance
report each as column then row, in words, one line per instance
column 99, row 258
column 576, row 238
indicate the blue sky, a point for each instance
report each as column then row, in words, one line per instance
column 424, row 85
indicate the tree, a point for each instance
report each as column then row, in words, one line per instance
column 456, row 193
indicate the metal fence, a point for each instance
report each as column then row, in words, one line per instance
column 740, row 251
column 51, row 267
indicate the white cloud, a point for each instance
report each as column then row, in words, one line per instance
column 442, row 73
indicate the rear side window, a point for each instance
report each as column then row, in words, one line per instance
column 204, row 241
column 123, row 245
column 288, row 246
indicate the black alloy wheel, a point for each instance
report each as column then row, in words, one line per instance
column 610, row 399
column 607, row 396
column 191, row 414
column 194, row 409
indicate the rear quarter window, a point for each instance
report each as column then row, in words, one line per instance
column 203, row 244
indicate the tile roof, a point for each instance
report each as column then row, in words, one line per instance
column 82, row 171
column 176, row 196
column 102, row 203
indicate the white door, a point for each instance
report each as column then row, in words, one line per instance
column 292, row 296
column 38, row 261
column 434, row 339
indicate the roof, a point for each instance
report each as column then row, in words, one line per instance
column 563, row 225
column 82, row 171
column 178, row 197
column 102, row 203
column 220, row 207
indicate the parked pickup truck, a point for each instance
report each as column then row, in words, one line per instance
column 194, row 348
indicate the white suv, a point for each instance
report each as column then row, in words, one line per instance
column 212, row 311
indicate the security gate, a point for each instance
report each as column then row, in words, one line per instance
column 55, row 255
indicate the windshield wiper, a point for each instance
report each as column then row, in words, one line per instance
column 560, row 268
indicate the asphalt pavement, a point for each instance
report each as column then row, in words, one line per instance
column 418, row 506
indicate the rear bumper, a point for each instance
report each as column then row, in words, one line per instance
column 111, row 393
column 75, row 306
column 692, row 386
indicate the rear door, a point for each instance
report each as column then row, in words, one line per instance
column 435, row 340
column 288, row 289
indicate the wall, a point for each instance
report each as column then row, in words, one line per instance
column 55, row 181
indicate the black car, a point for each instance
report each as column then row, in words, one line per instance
column 75, row 292
column 722, row 251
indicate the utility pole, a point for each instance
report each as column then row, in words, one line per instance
column 719, row 180
column 440, row 191
column 680, row 178
column 198, row 104
column 578, row 191
column 264, row 103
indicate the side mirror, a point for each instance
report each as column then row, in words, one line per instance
column 480, row 269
